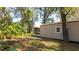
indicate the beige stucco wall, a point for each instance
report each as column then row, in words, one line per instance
column 49, row 31
column 73, row 29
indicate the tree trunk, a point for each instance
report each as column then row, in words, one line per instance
column 64, row 27
column 44, row 20
column 29, row 27
column 44, row 17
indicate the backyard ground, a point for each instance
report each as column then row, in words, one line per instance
column 37, row 44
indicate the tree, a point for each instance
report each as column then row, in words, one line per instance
column 5, row 20
column 64, row 12
column 45, row 12
column 26, row 15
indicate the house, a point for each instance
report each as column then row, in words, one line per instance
column 36, row 30
column 54, row 30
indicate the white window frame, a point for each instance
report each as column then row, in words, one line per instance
column 60, row 29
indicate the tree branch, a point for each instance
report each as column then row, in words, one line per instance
column 49, row 13
column 68, row 12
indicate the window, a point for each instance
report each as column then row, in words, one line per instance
column 58, row 29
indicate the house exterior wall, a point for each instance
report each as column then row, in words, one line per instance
column 73, row 29
column 49, row 31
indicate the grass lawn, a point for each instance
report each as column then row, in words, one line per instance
column 37, row 44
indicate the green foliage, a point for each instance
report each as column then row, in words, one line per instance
column 8, row 28
column 27, row 17
column 13, row 30
column 16, row 29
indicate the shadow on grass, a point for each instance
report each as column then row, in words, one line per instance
column 26, row 45
column 9, row 45
column 42, row 44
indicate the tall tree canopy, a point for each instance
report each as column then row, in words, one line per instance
column 45, row 12
column 5, row 18
column 26, row 14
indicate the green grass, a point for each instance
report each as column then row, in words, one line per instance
column 37, row 44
